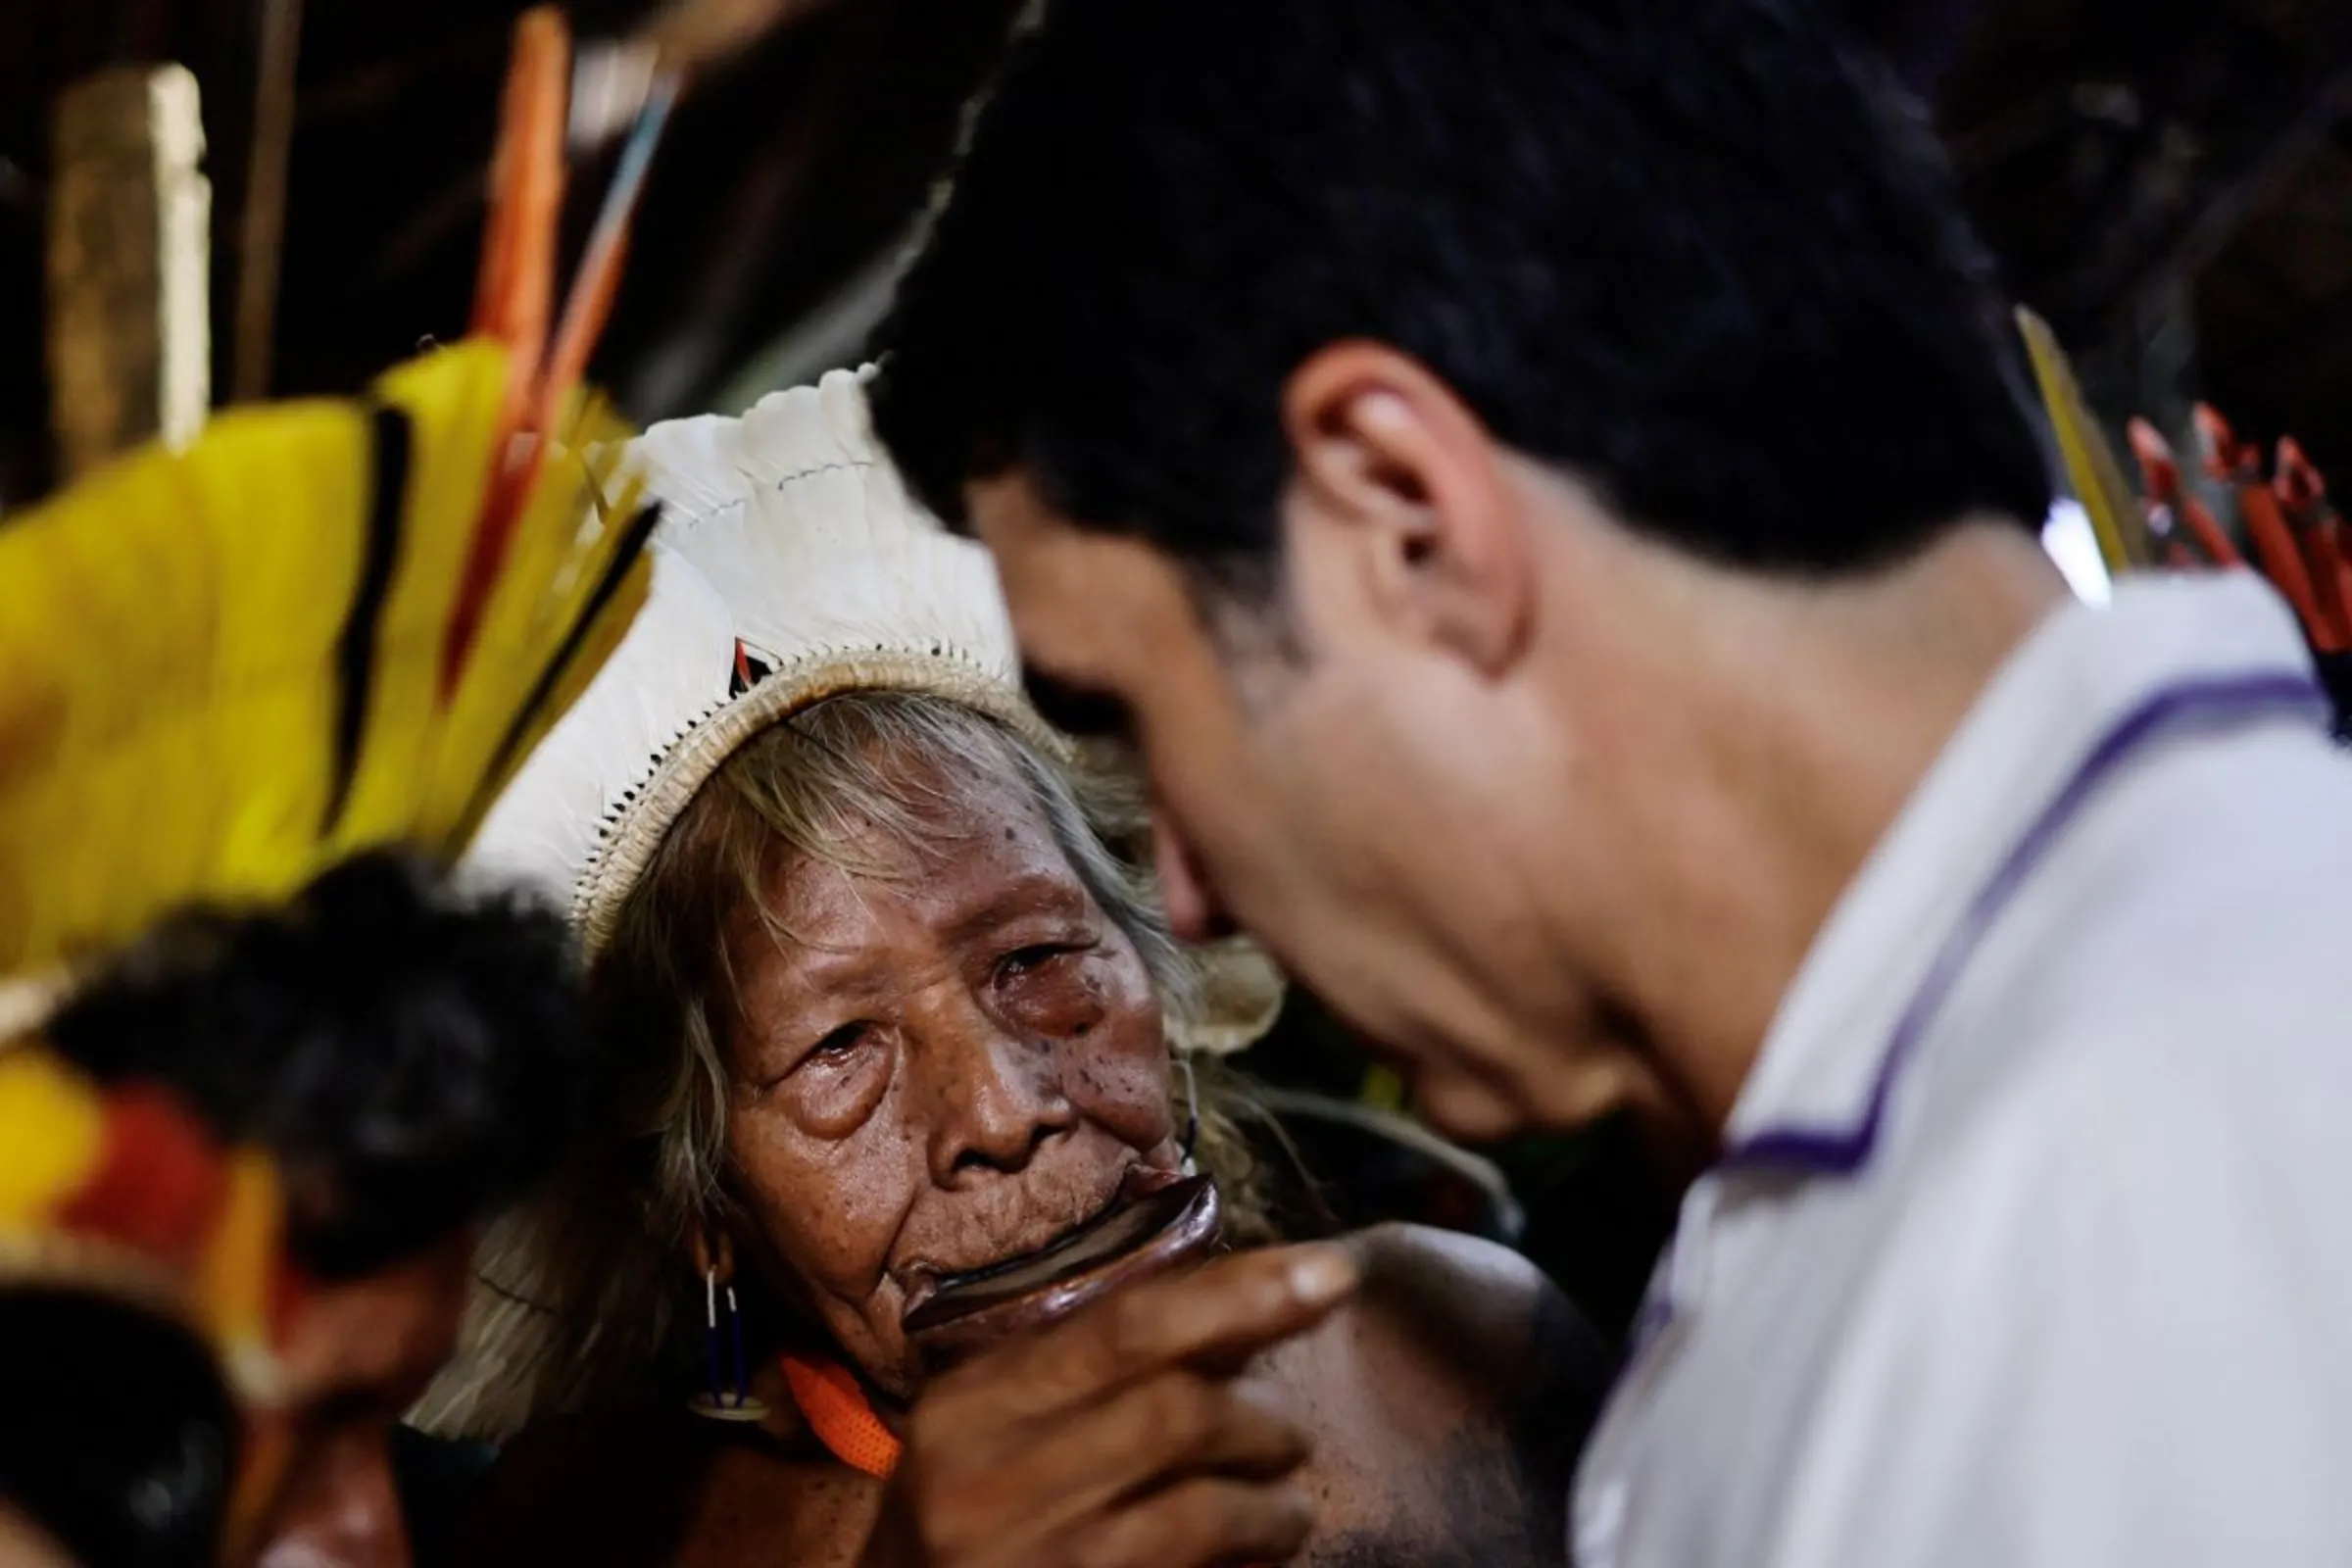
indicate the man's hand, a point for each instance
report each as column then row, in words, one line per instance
column 1124, row 1438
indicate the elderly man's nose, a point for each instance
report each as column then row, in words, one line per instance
column 996, row 1099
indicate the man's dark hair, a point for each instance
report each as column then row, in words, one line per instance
column 412, row 1057
column 1702, row 254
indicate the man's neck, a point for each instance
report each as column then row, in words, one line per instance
column 1820, row 710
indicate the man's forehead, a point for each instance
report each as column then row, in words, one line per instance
column 1035, row 546
column 1069, row 587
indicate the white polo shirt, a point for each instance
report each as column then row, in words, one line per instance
column 2033, row 1248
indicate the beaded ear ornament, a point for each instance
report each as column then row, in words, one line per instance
column 732, row 1399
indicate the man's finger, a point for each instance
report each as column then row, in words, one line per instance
column 1214, row 1319
column 1203, row 1523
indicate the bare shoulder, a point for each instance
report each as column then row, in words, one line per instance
column 1452, row 1397
column 1481, row 1319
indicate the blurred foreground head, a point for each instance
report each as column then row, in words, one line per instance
column 1532, row 477
column 409, row 1060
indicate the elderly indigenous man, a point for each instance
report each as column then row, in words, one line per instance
column 895, row 1024
column 1545, row 484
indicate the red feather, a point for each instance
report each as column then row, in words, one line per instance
column 159, row 1184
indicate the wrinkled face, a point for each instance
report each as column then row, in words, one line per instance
column 359, row 1353
column 950, row 1063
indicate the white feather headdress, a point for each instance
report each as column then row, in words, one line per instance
column 790, row 565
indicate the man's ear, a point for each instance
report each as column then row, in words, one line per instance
column 1397, row 474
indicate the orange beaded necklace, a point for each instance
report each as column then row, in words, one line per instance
column 833, row 1403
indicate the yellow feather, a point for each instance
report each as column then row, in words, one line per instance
column 159, row 625
column 170, row 634
column 559, row 552
column 451, row 399
column 597, row 646
column 2091, row 465
column 57, row 1134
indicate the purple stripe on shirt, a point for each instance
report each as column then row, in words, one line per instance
column 2215, row 703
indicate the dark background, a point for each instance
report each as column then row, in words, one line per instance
column 2169, row 181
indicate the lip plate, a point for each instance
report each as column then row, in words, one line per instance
column 1137, row 1184
column 1185, row 1220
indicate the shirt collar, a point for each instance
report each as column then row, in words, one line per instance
column 2028, row 734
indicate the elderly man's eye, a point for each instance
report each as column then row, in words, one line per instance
column 1030, row 959
column 841, row 1042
